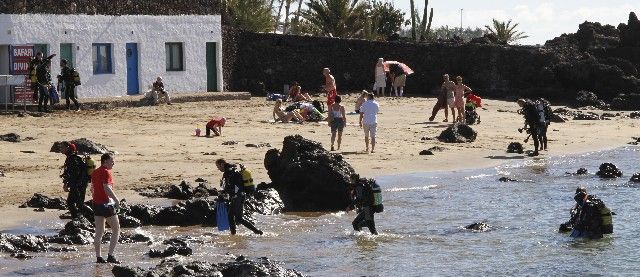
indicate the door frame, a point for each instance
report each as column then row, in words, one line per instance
column 133, row 86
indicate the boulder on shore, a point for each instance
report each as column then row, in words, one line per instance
column 609, row 170
column 83, row 146
column 515, row 147
column 41, row 201
column 458, row 133
column 308, row 177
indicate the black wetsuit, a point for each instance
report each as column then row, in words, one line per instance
column 75, row 178
column 588, row 221
column 532, row 118
column 44, row 79
column 69, row 87
column 234, row 187
column 362, row 198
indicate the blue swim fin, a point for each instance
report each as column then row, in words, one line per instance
column 222, row 214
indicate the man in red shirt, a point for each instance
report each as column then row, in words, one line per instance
column 105, row 205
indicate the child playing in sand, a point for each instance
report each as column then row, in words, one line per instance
column 215, row 125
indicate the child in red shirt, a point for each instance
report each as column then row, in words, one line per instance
column 215, row 125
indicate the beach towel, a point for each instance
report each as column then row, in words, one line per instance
column 222, row 216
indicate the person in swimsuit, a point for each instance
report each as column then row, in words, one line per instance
column 285, row 116
column 337, row 121
column 459, row 90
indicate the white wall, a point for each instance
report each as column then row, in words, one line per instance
column 150, row 32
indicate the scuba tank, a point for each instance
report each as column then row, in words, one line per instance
column 247, row 180
column 91, row 165
column 607, row 220
column 376, row 192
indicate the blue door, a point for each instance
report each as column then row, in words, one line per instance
column 133, row 84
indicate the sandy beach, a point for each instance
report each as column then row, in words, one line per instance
column 156, row 145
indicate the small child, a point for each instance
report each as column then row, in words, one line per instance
column 215, row 125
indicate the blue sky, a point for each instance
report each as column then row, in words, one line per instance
column 540, row 20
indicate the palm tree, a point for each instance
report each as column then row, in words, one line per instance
column 505, row 32
column 250, row 15
column 338, row 18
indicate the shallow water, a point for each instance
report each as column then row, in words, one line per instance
column 422, row 228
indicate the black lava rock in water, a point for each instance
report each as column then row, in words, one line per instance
column 10, row 137
column 478, row 227
column 515, row 147
column 582, row 171
column 266, row 202
column 18, row 243
column 183, row 191
column 308, row 177
column 41, row 201
column 609, row 170
column 83, row 146
column 635, row 178
column 170, row 251
column 241, row 267
column 507, row 179
column 458, row 133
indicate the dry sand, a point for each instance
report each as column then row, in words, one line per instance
column 157, row 146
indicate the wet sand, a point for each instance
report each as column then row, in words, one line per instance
column 157, row 146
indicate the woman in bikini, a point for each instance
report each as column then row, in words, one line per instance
column 337, row 121
column 285, row 116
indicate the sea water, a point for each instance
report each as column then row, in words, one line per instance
column 421, row 230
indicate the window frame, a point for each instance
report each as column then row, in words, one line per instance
column 97, row 63
column 169, row 57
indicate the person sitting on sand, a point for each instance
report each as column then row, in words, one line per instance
column 160, row 93
column 296, row 94
column 215, row 125
column 360, row 100
column 285, row 116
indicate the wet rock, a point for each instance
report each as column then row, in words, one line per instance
column 127, row 221
column 507, row 179
column 83, row 146
column 10, row 137
column 133, row 238
column 170, row 251
column 636, row 141
column 478, row 227
column 635, row 178
column 17, row 243
column 261, row 267
column 515, row 147
column 144, row 213
column 308, row 177
column 586, row 116
column 21, row 255
column 127, row 271
column 189, row 213
column 62, row 249
column 41, row 201
column 609, row 170
column 582, row 171
column 183, row 191
column 266, row 202
column 425, row 152
column 78, row 231
column 258, row 145
column 458, row 133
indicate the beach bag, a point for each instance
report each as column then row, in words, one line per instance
column 319, row 106
column 222, row 216
column 292, row 107
column 53, row 95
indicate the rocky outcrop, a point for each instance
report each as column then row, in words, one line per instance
column 626, row 101
column 635, row 178
column 478, row 227
column 83, row 146
column 308, row 177
column 515, row 147
column 240, row 267
column 630, row 32
column 41, row 201
column 170, row 251
column 609, row 170
column 458, row 133
column 582, row 171
column 183, row 191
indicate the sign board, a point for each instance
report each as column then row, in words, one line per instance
column 19, row 56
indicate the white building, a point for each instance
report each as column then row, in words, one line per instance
column 122, row 55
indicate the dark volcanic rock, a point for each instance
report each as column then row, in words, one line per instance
column 308, row 177
column 78, row 231
column 586, row 116
column 83, row 146
column 515, row 147
column 478, row 227
column 241, row 267
column 458, row 133
column 437, row 149
column 609, row 170
column 10, row 137
column 630, row 32
column 189, row 213
column 183, row 191
column 635, row 178
column 582, row 171
column 127, row 221
column 626, row 102
column 41, row 201
column 170, row 251
column 425, row 152
column 144, row 213
column 266, row 202
column 588, row 98
column 634, row 114
column 507, row 179
column 17, row 243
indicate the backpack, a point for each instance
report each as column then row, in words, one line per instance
column 319, row 106
column 247, row 180
column 75, row 77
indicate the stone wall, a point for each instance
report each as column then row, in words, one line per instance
column 277, row 60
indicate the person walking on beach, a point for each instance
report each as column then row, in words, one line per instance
column 233, row 186
column 459, row 90
column 74, row 177
column 329, row 86
column 105, row 206
column 380, row 78
column 337, row 121
column 68, row 84
column 531, row 119
column 369, row 121
column 446, row 96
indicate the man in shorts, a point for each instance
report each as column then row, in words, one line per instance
column 329, row 86
column 369, row 121
column 445, row 99
column 105, row 206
